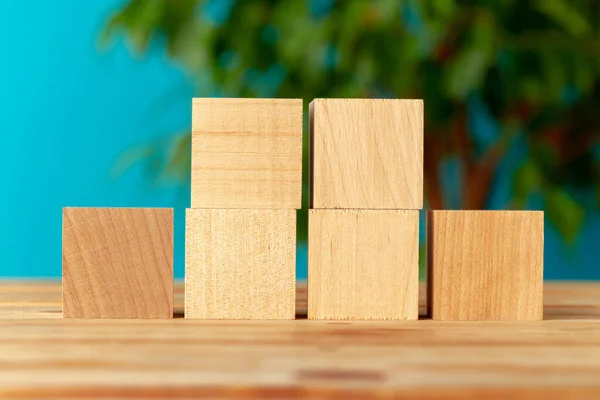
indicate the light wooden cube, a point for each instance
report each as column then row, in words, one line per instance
column 118, row 263
column 367, row 154
column 363, row 264
column 240, row 264
column 485, row 265
column 247, row 153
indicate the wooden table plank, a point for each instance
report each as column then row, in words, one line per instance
column 45, row 356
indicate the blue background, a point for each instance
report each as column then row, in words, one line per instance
column 69, row 108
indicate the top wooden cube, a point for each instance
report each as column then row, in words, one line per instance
column 246, row 153
column 366, row 154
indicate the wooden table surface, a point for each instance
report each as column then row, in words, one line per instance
column 45, row 356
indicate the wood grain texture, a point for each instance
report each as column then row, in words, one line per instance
column 240, row 264
column 363, row 264
column 118, row 263
column 247, row 153
column 45, row 356
column 366, row 154
column 485, row 265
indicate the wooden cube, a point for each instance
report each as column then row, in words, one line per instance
column 485, row 265
column 118, row 263
column 366, row 154
column 363, row 264
column 240, row 264
column 247, row 153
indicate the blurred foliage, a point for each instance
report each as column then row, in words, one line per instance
column 530, row 67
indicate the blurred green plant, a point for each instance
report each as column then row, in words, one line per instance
column 532, row 68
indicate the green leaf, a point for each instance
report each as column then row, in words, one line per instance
column 564, row 213
column 553, row 72
column 583, row 75
column 178, row 163
column 138, row 18
column 388, row 10
column 466, row 72
column 564, row 14
column 142, row 152
column 443, row 8
column 527, row 179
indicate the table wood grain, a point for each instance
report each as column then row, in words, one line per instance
column 45, row 356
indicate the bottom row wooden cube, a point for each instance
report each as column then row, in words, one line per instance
column 363, row 264
column 240, row 264
column 485, row 265
column 117, row 263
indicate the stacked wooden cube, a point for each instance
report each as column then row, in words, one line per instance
column 241, row 229
column 366, row 190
